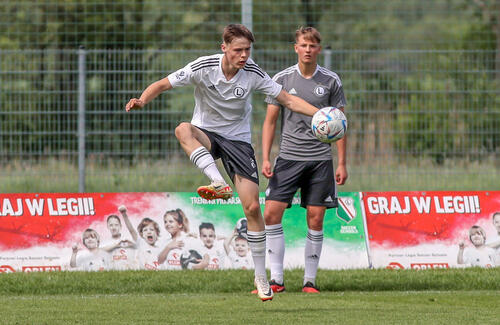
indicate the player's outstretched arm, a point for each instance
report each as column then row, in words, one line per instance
column 460, row 256
column 74, row 251
column 111, row 247
column 149, row 94
column 126, row 219
column 228, row 240
column 495, row 244
column 268, row 130
column 296, row 104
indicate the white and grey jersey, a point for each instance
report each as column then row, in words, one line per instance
column 323, row 89
column 223, row 106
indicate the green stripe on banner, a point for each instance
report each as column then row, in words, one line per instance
column 344, row 230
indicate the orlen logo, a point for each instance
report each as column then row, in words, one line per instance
column 6, row 269
column 394, row 266
column 418, row 266
column 424, row 266
column 44, row 268
column 122, row 256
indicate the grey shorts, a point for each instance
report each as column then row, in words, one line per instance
column 314, row 178
column 238, row 157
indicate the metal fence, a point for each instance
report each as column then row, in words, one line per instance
column 420, row 117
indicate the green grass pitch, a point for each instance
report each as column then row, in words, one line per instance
column 449, row 296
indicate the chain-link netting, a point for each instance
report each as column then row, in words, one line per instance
column 421, row 78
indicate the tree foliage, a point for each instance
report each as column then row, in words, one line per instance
column 427, row 71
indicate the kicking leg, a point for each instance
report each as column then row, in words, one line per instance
column 196, row 144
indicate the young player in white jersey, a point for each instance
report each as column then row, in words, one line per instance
column 303, row 161
column 170, row 257
column 148, row 248
column 494, row 242
column 479, row 255
column 95, row 259
column 121, row 248
column 220, row 128
column 237, row 251
column 213, row 247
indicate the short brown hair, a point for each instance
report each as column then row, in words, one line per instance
column 309, row 33
column 145, row 222
column 89, row 232
column 233, row 31
column 477, row 229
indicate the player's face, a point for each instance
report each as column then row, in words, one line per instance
column 241, row 247
column 477, row 238
column 237, row 52
column 90, row 241
column 207, row 237
column 307, row 50
column 114, row 227
column 171, row 225
column 149, row 234
column 496, row 222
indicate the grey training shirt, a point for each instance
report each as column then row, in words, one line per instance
column 323, row 89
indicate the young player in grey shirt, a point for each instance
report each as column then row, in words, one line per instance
column 220, row 128
column 303, row 161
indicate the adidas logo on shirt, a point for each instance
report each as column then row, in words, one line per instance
column 328, row 199
column 292, row 91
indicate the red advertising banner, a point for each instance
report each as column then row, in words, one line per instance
column 38, row 231
column 158, row 231
column 421, row 230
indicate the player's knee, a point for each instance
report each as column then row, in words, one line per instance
column 316, row 222
column 271, row 219
column 252, row 209
column 183, row 130
column 273, row 213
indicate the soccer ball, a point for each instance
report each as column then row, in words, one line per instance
column 329, row 124
column 241, row 227
column 190, row 257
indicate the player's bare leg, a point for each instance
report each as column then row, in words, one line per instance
column 191, row 138
column 197, row 145
column 314, row 244
column 249, row 195
column 273, row 214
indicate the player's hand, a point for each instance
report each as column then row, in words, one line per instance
column 341, row 175
column 126, row 244
column 134, row 103
column 461, row 245
column 267, row 170
column 176, row 244
column 74, row 248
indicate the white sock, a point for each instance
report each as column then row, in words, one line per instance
column 312, row 253
column 276, row 250
column 257, row 244
column 206, row 163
